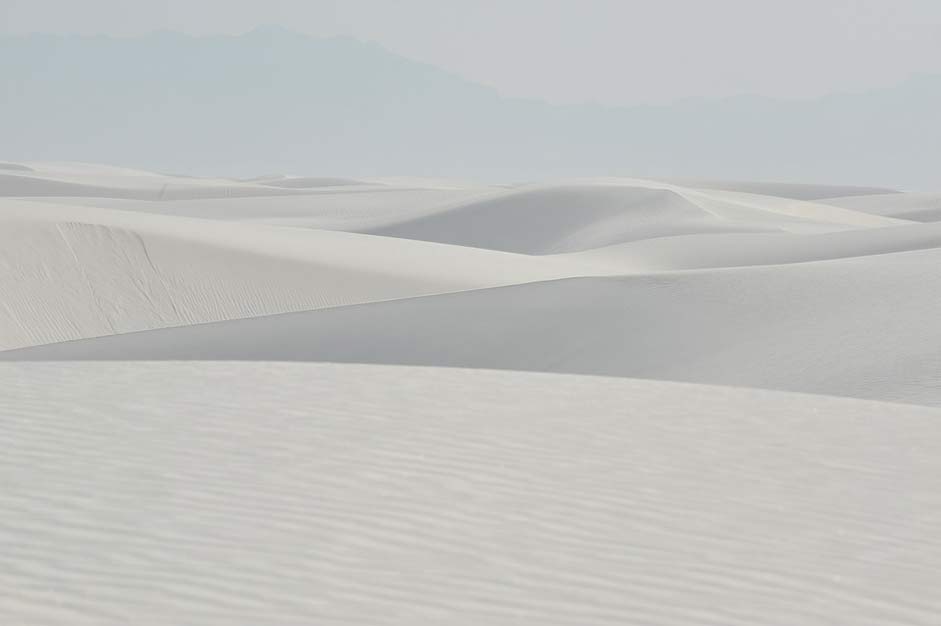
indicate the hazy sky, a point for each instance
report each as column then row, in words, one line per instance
column 614, row 51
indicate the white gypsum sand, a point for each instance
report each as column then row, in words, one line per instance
column 93, row 250
column 299, row 399
column 271, row 493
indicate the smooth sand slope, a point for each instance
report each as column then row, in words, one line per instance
column 795, row 191
column 71, row 272
column 728, row 250
column 861, row 327
column 259, row 493
column 338, row 204
column 546, row 219
column 534, row 218
column 88, row 251
column 917, row 207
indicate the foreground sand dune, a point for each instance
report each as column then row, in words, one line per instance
column 209, row 493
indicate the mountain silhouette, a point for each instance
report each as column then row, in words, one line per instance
column 273, row 100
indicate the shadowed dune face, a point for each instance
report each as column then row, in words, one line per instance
column 916, row 207
column 565, row 219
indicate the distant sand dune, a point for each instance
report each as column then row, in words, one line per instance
column 16, row 167
column 793, row 191
column 707, row 250
column 575, row 217
column 917, row 207
column 310, row 182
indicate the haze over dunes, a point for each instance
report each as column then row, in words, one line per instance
column 276, row 100
column 296, row 399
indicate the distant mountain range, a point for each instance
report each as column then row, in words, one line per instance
column 276, row 101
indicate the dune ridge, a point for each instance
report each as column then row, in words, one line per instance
column 811, row 290
column 76, row 272
column 917, row 207
column 863, row 329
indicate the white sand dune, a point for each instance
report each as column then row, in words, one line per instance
column 571, row 216
column 15, row 167
column 210, row 493
column 917, row 207
column 86, row 180
column 707, row 250
column 547, row 219
column 75, row 272
column 309, row 182
column 154, row 192
column 352, row 209
column 313, row 202
column 794, row 191
column 96, row 250
column 180, row 458
column 862, row 327
column 715, row 285
column 70, row 272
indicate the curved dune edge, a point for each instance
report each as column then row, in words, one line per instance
column 77, row 280
column 794, row 191
column 302, row 493
column 917, row 207
column 78, row 272
column 717, row 285
column 860, row 327
column 582, row 215
column 728, row 250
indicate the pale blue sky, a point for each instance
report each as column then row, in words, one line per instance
column 612, row 51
